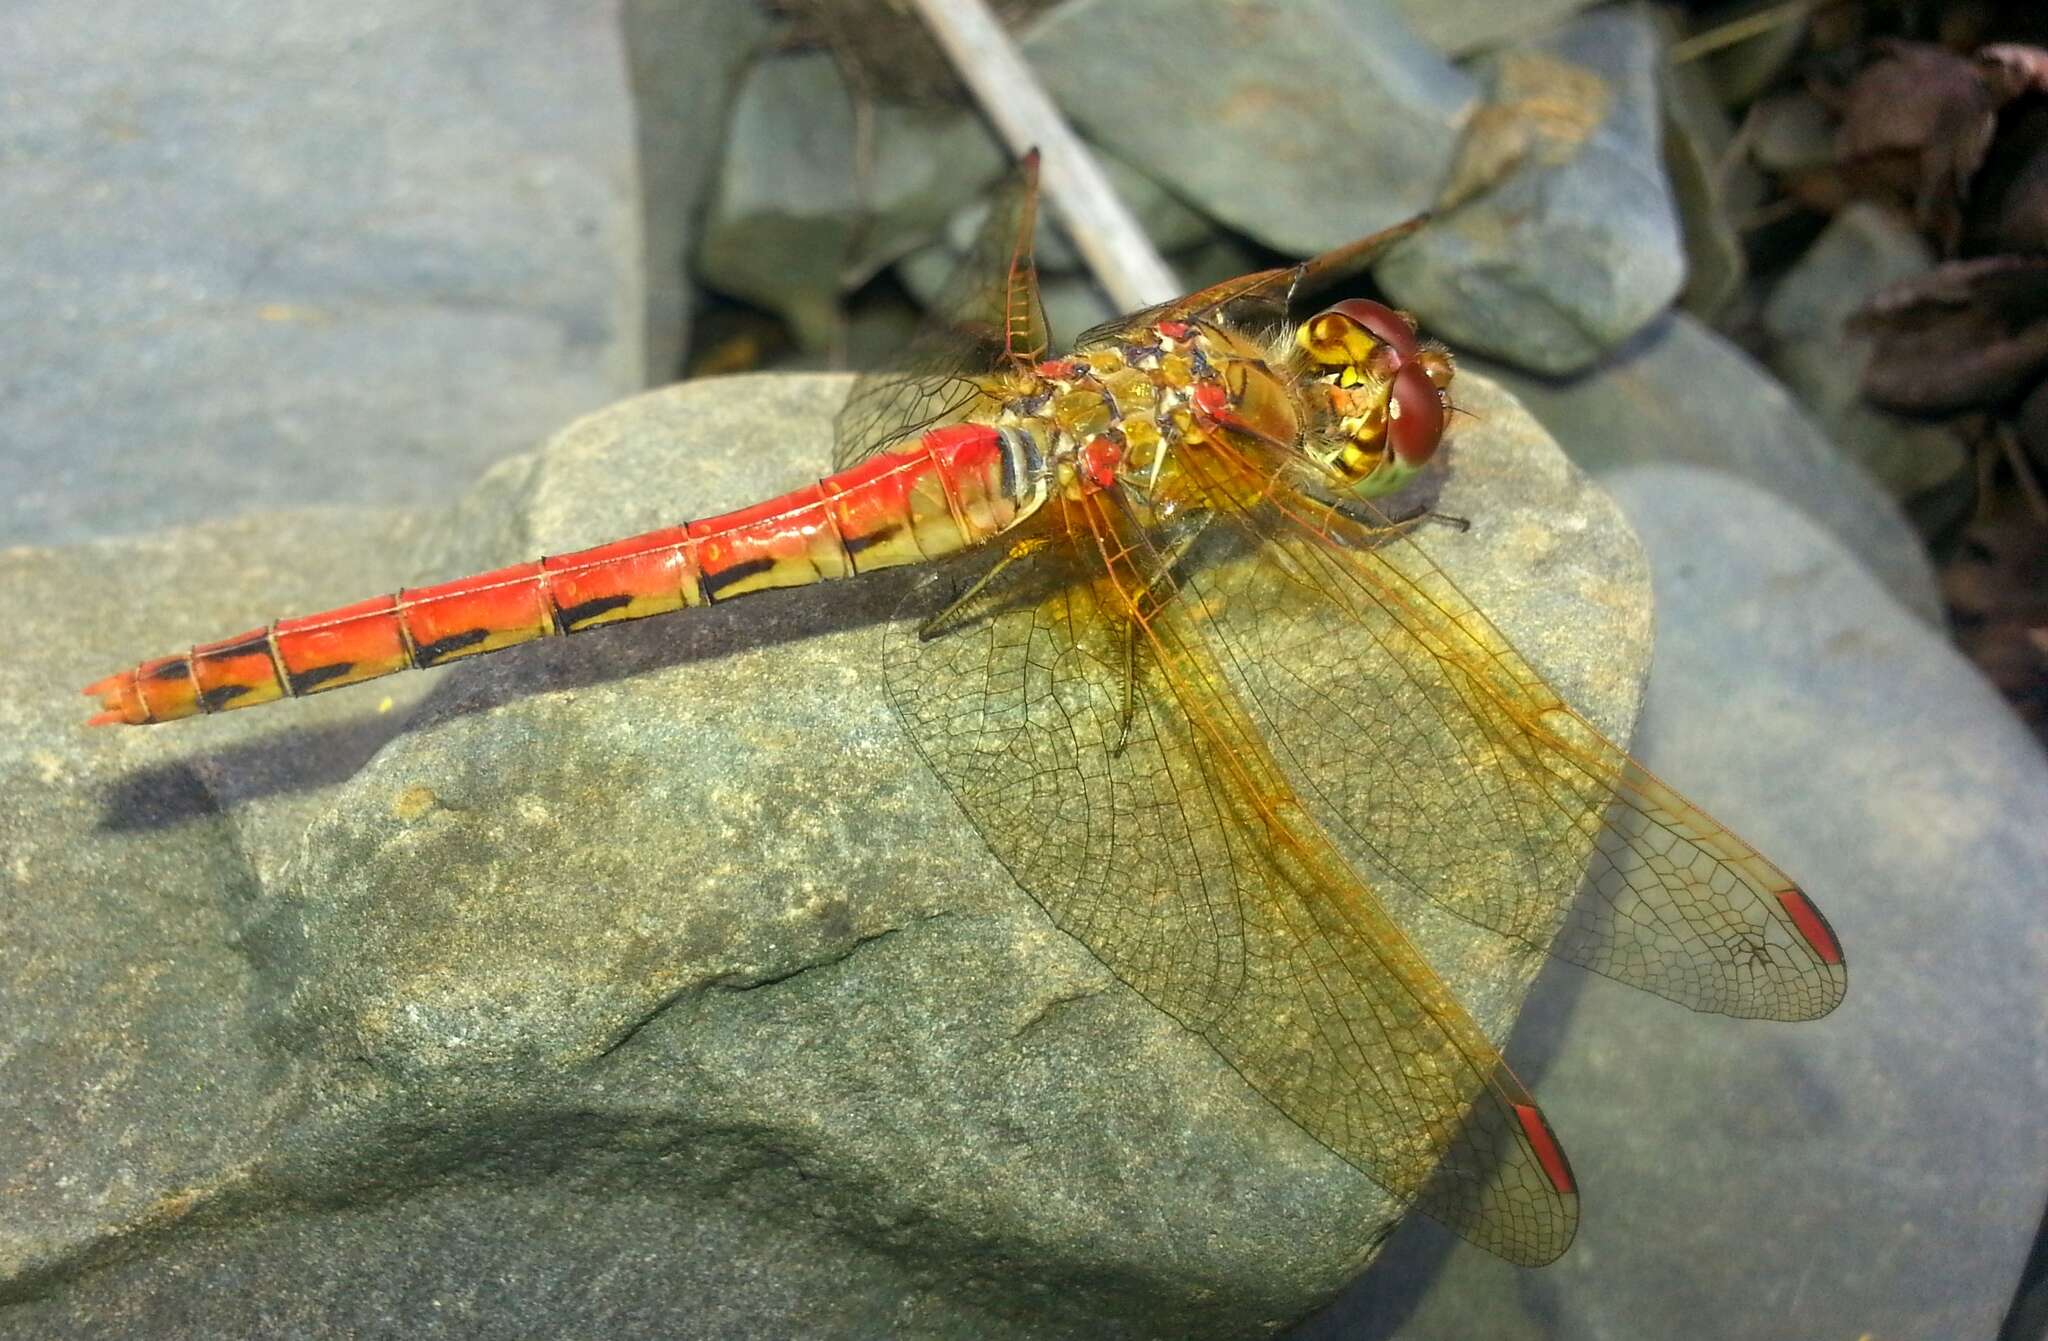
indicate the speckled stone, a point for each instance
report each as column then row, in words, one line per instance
column 1304, row 123
column 792, row 226
column 641, row 982
column 1680, row 393
column 255, row 256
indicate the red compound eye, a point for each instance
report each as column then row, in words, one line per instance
column 1382, row 321
column 1417, row 425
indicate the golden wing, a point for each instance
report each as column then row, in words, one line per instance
column 1457, row 772
column 1074, row 712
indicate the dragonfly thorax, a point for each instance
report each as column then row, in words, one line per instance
column 1115, row 412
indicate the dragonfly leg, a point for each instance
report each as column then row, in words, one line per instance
column 936, row 625
column 1401, row 525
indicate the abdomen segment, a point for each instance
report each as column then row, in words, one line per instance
column 955, row 488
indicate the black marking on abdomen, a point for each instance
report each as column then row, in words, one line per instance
column 179, row 669
column 574, row 617
column 739, row 572
column 856, row 543
column 218, row 697
column 309, row 682
column 439, row 650
column 259, row 643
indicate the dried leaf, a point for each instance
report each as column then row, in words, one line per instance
column 1919, row 121
column 2013, row 68
column 1965, row 334
column 2009, row 205
column 1997, row 590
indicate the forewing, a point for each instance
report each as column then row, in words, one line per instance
column 1460, row 774
column 1128, row 796
column 988, row 315
column 1262, row 297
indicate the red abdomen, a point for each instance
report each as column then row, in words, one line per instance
column 954, row 489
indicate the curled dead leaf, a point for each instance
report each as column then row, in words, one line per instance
column 2014, row 68
column 1965, row 334
column 2009, row 203
column 1916, row 123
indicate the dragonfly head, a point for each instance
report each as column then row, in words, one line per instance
column 1388, row 393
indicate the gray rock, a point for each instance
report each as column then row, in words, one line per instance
column 1711, row 188
column 1460, row 27
column 781, row 223
column 637, row 982
column 685, row 59
column 1305, row 123
column 793, row 226
column 1559, row 238
column 1791, row 133
column 1925, row 466
column 341, row 254
column 1170, row 224
column 1744, row 69
column 1680, row 393
column 136, row 1093
column 1885, row 1167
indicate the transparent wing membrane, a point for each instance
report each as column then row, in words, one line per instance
column 988, row 315
column 1457, row 772
column 1131, row 796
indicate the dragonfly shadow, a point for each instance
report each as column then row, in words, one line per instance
column 288, row 758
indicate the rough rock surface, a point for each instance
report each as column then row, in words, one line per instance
column 1456, row 27
column 1925, row 466
column 792, row 226
column 1558, row 237
column 636, row 983
column 406, row 228
column 1879, row 1171
column 1305, row 123
column 1712, row 186
column 1681, row 394
column 685, row 59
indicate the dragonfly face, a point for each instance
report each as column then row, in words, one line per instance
column 1388, row 393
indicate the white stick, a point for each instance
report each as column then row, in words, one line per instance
column 1109, row 238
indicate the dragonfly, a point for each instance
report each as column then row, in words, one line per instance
column 1201, row 694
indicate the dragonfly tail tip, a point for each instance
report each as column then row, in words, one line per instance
column 115, row 694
